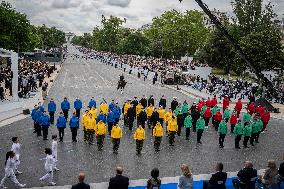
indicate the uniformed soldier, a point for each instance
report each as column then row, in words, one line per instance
column 139, row 137
column 172, row 129
column 238, row 132
column 116, row 135
column 222, row 130
column 157, row 134
column 101, row 133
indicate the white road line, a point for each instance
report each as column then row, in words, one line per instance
column 64, row 80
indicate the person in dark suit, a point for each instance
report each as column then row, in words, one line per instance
column 218, row 179
column 119, row 181
column 81, row 184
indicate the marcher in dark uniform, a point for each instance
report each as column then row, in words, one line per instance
column 142, row 118
column 143, row 101
column 151, row 101
column 195, row 116
column 163, row 102
column 154, row 117
column 179, row 122
column 135, row 103
column 131, row 115
column 174, row 104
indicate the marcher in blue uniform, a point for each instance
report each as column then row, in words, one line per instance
column 111, row 105
column 65, row 106
column 33, row 114
column 61, row 125
column 102, row 117
column 78, row 106
column 44, row 123
column 37, row 117
column 110, row 121
column 92, row 103
column 74, row 126
column 51, row 108
column 117, row 112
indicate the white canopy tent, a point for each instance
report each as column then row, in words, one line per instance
column 14, row 67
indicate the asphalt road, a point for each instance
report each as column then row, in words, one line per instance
column 84, row 79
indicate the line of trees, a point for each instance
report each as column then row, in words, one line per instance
column 173, row 34
column 18, row 34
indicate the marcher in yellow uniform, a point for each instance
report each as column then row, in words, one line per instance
column 149, row 112
column 101, row 133
column 172, row 129
column 104, row 108
column 94, row 112
column 157, row 134
column 90, row 127
column 126, row 106
column 139, row 108
column 116, row 135
column 168, row 116
column 84, row 122
column 139, row 136
column 162, row 113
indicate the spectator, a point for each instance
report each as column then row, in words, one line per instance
column 81, row 184
column 218, row 179
column 119, row 181
column 154, row 182
column 247, row 177
column 270, row 175
column 186, row 180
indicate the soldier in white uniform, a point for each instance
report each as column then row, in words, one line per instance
column 16, row 146
column 54, row 151
column 49, row 164
column 9, row 170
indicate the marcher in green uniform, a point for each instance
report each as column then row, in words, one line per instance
column 238, row 132
column 200, row 126
column 259, row 128
column 177, row 110
column 184, row 109
column 247, row 134
column 187, row 125
column 222, row 130
column 254, row 131
column 203, row 110
column 226, row 115
column 214, row 110
column 246, row 118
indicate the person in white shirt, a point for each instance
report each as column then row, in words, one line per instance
column 16, row 146
column 9, row 170
column 54, row 151
column 49, row 164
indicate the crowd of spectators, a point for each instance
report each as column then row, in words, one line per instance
column 247, row 178
column 31, row 77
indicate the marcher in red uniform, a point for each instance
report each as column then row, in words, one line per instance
column 201, row 103
column 214, row 101
column 233, row 121
column 265, row 119
column 207, row 115
column 251, row 108
column 217, row 119
column 208, row 102
column 239, row 107
column 260, row 110
column 226, row 102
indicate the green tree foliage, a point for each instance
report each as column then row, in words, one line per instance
column 16, row 32
column 173, row 34
column 257, row 31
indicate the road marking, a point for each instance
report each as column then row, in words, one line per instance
column 65, row 76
